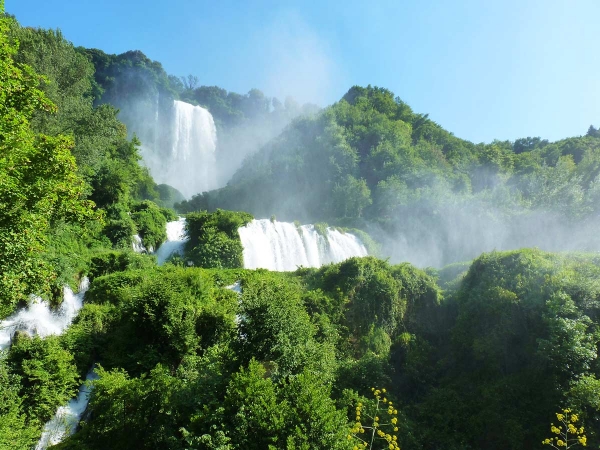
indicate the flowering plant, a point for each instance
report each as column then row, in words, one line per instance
column 376, row 430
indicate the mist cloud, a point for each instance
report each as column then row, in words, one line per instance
column 299, row 61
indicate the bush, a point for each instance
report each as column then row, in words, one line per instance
column 151, row 223
column 214, row 241
column 48, row 374
column 113, row 261
column 119, row 226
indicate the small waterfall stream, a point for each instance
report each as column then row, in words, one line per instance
column 176, row 239
column 138, row 245
column 38, row 319
column 66, row 419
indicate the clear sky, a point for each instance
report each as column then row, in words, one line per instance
column 483, row 69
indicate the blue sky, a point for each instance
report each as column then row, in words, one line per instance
column 483, row 69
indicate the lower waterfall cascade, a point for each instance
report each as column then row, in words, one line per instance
column 38, row 319
column 283, row 246
column 277, row 246
column 66, row 419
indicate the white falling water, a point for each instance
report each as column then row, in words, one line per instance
column 38, row 319
column 281, row 246
column 176, row 239
column 189, row 165
column 65, row 421
column 235, row 287
column 138, row 245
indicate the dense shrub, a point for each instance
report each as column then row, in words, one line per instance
column 214, row 240
column 150, row 221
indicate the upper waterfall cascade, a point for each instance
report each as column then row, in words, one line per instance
column 184, row 157
column 282, row 246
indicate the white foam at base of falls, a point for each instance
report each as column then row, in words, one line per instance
column 176, row 239
column 38, row 319
column 281, row 246
column 65, row 421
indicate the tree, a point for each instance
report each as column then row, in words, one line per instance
column 15, row 434
column 593, row 132
column 190, row 82
column 38, row 180
column 350, row 197
column 251, row 408
column 48, row 374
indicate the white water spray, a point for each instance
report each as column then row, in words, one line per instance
column 282, row 246
column 190, row 166
column 176, row 239
column 235, row 287
column 38, row 319
column 138, row 245
column 65, row 421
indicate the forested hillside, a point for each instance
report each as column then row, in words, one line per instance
column 202, row 353
column 142, row 91
column 369, row 161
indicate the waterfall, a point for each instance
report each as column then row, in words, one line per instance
column 65, row 421
column 138, row 245
column 38, row 319
column 184, row 155
column 176, row 239
column 282, row 246
column 235, row 287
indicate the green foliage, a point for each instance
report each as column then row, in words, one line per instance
column 150, row 222
column 277, row 329
column 38, row 180
column 112, row 261
column 163, row 315
column 48, row 374
column 87, row 335
column 129, row 413
column 321, row 228
column 119, row 227
column 312, row 420
column 214, row 241
column 522, row 336
column 70, row 246
column 295, row 414
column 168, row 195
column 350, row 197
column 15, row 432
column 252, row 410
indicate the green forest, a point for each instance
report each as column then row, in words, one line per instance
column 465, row 349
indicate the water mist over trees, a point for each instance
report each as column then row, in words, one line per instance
column 145, row 95
column 473, row 355
column 431, row 198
